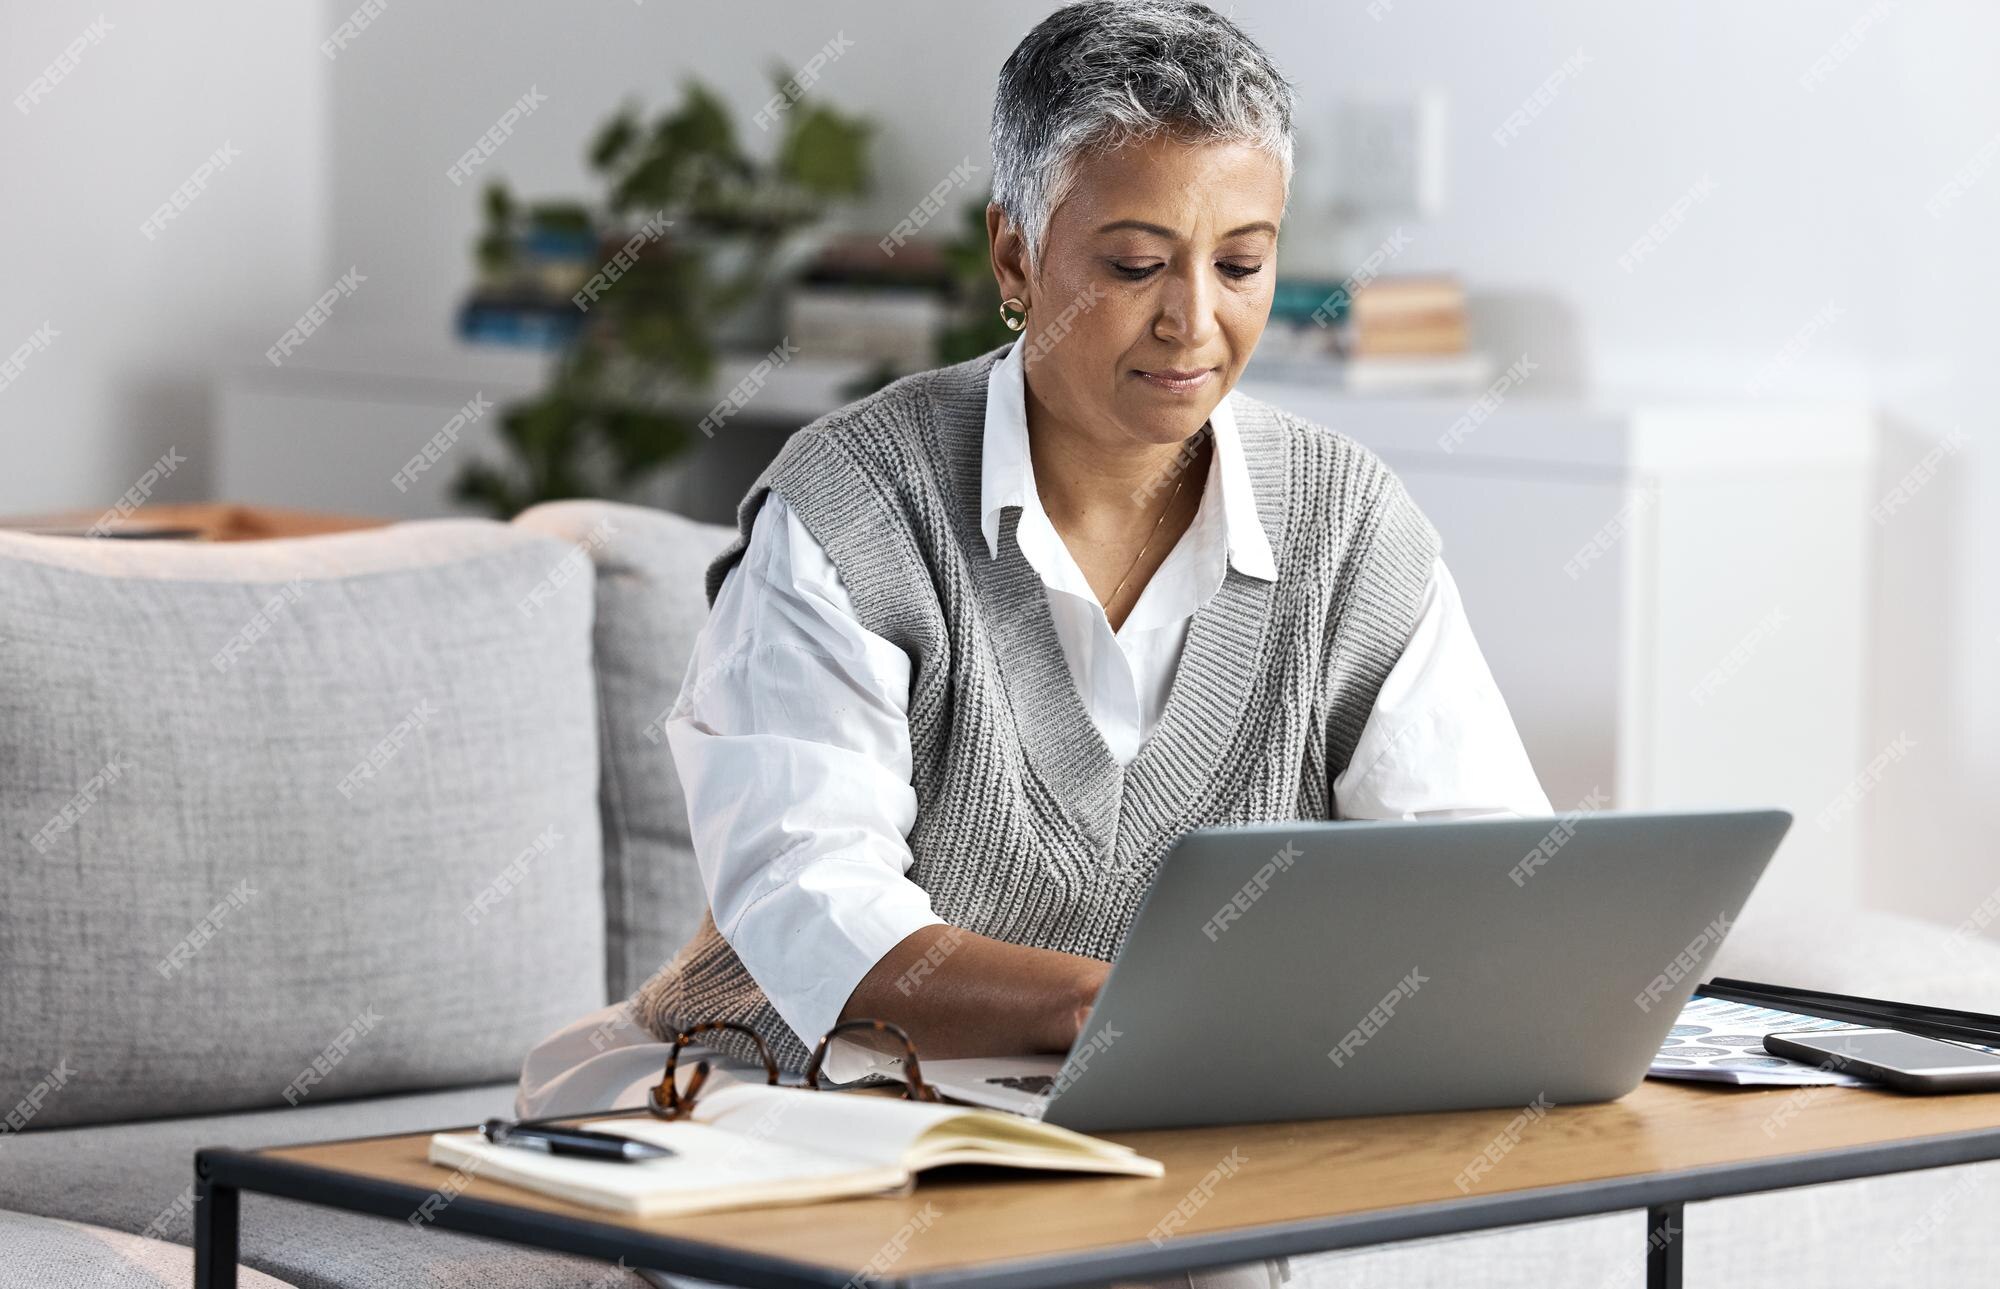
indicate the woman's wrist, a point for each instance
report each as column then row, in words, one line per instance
column 979, row 996
column 1071, row 1004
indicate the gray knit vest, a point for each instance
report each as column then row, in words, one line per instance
column 1027, row 829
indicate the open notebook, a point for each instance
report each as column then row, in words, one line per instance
column 750, row 1145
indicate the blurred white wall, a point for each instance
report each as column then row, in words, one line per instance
column 88, row 155
column 1828, row 133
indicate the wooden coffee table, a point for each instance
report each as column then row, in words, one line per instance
column 1230, row 1194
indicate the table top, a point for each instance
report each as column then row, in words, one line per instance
column 1229, row 1194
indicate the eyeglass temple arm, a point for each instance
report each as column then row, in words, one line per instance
column 695, row 1081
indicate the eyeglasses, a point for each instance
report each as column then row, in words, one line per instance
column 667, row 1101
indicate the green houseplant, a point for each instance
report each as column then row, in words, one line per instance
column 707, row 219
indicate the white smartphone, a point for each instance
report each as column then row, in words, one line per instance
column 1906, row 1062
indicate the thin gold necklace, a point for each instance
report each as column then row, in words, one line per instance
column 1154, row 532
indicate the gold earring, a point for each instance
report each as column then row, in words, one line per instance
column 1013, row 323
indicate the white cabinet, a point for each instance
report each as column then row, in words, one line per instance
column 335, row 427
column 1673, row 598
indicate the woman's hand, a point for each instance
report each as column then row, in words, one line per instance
column 961, row 994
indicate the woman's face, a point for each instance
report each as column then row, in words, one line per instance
column 1153, row 288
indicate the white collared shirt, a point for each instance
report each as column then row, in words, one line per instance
column 793, row 743
column 1123, row 676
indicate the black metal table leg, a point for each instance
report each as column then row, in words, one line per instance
column 1663, row 1246
column 214, row 1232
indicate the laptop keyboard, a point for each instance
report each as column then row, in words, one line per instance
column 1039, row 1085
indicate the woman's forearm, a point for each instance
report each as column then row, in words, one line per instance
column 961, row 994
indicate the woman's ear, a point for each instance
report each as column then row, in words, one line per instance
column 1010, row 254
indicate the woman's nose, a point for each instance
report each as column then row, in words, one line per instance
column 1187, row 310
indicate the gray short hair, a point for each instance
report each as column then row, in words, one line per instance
column 1103, row 73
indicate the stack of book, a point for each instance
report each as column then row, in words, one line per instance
column 1394, row 335
column 531, row 301
column 855, row 302
column 1402, row 316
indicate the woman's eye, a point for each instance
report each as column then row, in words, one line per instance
column 1140, row 272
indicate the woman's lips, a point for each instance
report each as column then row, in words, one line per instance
column 1177, row 380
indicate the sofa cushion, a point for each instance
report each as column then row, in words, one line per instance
column 138, row 1178
column 48, row 1253
column 1868, row 952
column 290, row 820
column 650, row 605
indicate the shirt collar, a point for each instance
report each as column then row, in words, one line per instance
column 1007, row 473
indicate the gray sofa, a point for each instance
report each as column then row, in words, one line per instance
column 313, row 838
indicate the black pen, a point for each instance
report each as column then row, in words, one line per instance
column 580, row 1143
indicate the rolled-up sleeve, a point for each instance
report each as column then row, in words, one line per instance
column 792, row 740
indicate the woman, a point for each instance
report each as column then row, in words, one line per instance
column 993, row 638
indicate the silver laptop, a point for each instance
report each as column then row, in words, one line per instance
column 1316, row 970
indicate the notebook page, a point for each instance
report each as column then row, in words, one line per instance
column 711, row 1169
column 887, row 1131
